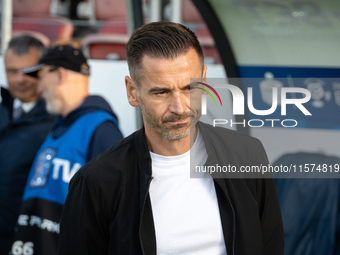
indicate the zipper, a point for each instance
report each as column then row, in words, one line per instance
column 140, row 224
column 232, row 208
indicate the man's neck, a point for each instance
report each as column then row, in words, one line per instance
column 160, row 145
column 71, row 105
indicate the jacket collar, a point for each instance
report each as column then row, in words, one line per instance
column 146, row 229
column 7, row 99
column 143, row 152
column 37, row 113
column 208, row 145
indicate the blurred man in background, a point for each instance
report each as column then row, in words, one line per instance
column 86, row 127
column 310, row 205
column 24, row 124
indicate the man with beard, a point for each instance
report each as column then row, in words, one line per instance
column 138, row 197
column 24, row 124
column 86, row 127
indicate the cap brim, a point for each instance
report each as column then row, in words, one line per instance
column 33, row 70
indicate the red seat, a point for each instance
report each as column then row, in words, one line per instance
column 54, row 28
column 189, row 13
column 110, row 42
column 23, row 8
column 113, row 13
column 105, row 46
column 111, row 10
column 114, row 27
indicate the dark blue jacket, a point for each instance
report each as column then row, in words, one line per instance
column 310, row 206
column 19, row 142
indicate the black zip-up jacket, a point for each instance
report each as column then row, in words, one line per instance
column 108, row 208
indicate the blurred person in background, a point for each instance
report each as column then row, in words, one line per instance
column 86, row 126
column 24, row 124
column 310, row 205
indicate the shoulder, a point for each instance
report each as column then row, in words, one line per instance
column 109, row 165
column 107, row 132
column 231, row 138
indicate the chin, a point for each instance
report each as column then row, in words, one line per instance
column 177, row 135
column 52, row 110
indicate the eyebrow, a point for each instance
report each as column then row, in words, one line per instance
column 11, row 69
column 160, row 89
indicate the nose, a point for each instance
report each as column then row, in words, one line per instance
column 177, row 104
column 20, row 77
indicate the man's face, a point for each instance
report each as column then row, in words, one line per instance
column 20, row 85
column 166, row 97
column 48, row 86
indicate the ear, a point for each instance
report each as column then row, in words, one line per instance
column 204, row 73
column 62, row 74
column 131, row 91
column 204, row 77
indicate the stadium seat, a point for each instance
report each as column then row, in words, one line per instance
column 105, row 46
column 112, row 14
column 189, row 13
column 36, row 8
column 37, row 15
column 102, row 10
column 110, row 42
column 115, row 27
column 23, row 8
column 110, row 10
column 52, row 27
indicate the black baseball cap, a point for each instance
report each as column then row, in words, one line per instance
column 63, row 56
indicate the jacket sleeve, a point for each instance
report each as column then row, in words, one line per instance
column 270, row 213
column 83, row 227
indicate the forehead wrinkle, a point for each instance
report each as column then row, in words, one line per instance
column 167, row 73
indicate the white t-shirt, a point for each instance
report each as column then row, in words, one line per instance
column 185, row 210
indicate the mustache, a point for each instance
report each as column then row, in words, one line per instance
column 176, row 117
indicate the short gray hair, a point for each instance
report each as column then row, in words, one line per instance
column 162, row 39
